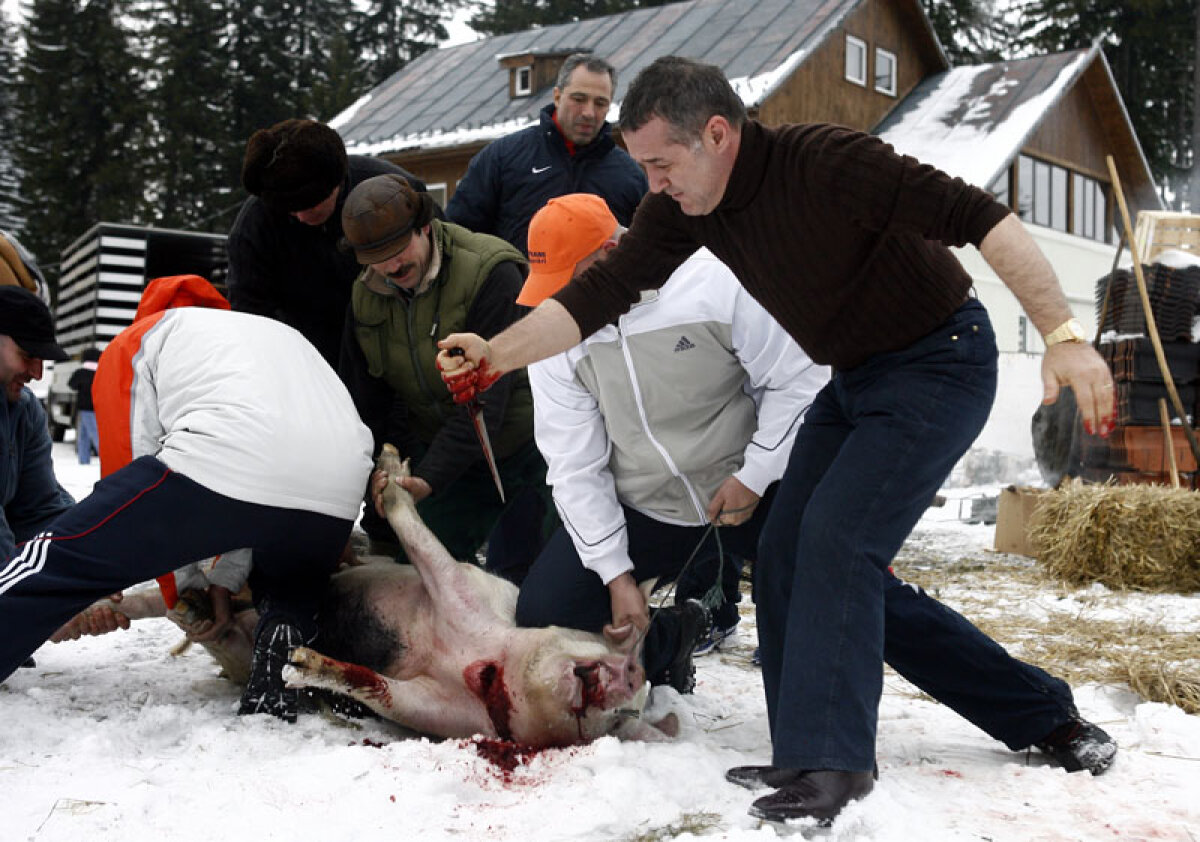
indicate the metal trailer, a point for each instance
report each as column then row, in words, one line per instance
column 101, row 278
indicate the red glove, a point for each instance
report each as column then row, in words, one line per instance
column 466, row 383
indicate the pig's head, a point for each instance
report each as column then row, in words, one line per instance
column 569, row 687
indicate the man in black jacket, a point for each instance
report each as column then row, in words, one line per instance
column 284, row 255
column 571, row 150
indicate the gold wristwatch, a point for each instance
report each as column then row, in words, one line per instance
column 1069, row 331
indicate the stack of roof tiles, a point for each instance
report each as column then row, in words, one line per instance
column 1174, row 300
column 1137, row 450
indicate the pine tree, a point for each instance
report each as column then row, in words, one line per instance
column 191, row 146
column 394, row 32
column 263, row 90
column 971, row 31
column 343, row 82
column 1151, row 46
column 80, row 123
column 516, row 15
column 11, row 213
column 328, row 75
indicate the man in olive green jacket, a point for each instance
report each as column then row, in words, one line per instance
column 424, row 279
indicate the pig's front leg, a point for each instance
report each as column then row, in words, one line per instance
column 418, row 704
column 107, row 615
column 437, row 568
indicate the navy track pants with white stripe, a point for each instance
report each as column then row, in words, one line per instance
column 146, row 520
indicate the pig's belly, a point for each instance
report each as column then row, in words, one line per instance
column 391, row 625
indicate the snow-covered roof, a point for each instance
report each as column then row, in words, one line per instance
column 972, row 121
column 458, row 95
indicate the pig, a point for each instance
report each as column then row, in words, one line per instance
column 434, row 646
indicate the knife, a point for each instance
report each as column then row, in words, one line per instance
column 475, row 410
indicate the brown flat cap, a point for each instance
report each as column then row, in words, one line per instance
column 380, row 215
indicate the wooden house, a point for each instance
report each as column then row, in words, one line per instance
column 1035, row 131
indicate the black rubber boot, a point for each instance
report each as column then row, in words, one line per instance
column 265, row 691
column 694, row 622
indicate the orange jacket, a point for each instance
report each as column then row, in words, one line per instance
column 112, row 386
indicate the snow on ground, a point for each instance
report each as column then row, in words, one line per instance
column 115, row 738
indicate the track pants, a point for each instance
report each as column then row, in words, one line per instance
column 146, row 520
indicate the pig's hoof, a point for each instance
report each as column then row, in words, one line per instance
column 301, row 657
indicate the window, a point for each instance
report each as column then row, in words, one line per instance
column 1089, row 208
column 1042, row 193
column 1055, row 197
column 1024, row 206
column 438, row 192
column 523, row 81
column 856, row 60
column 885, row 72
column 1058, row 198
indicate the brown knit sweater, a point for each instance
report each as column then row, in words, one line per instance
column 841, row 239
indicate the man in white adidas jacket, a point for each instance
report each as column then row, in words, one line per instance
column 681, row 414
column 219, row 432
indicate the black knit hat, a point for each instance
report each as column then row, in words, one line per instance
column 26, row 319
column 294, row 165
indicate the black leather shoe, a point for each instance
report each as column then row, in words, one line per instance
column 761, row 777
column 1078, row 744
column 819, row 795
column 773, row 777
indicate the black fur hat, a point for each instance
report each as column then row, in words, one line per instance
column 294, row 165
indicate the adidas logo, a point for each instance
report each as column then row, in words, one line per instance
column 684, row 344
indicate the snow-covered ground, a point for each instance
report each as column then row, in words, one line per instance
column 114, row 738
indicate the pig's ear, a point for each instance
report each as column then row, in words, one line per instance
column 669, row 725
column 639, row 729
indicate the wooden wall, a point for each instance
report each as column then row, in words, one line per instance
column 1083, row 128
column 438, row 166
column 819, row 90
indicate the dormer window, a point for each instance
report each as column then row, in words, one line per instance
column 523, row 81
column 531, row 71
column 856, row 60
column 885, row 71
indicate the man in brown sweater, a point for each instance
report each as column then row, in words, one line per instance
column 846, row 244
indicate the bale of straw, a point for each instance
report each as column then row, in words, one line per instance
column 1170, row 683
column 1128, row 537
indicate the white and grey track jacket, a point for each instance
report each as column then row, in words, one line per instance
column 696, row 383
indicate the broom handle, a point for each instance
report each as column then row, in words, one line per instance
column 1169, row 440
column 1151, row 327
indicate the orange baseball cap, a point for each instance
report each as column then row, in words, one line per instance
column 565, row 231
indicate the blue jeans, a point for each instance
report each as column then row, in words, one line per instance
column 87, row 440
column 874, row 448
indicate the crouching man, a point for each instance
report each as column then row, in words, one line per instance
column 220, row 432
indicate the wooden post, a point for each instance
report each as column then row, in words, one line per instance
column 1168, row 441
